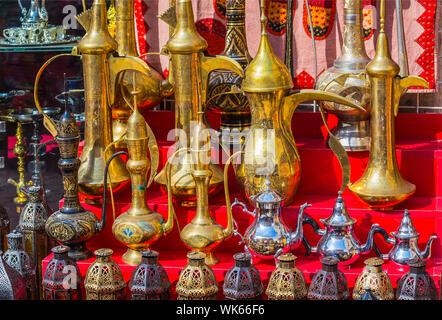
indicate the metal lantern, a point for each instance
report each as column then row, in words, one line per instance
column 242, row 281
column 416, row 284
column 367, row 295
column 17, row 258
column 4, row 227
column 12, row 284
column 329, row 283
column 149, row 280
column 286, row 282
column 197, row 280
column 55, row 284
column 375, row 279
column 104, row 280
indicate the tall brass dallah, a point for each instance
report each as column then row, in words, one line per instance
column 190, row 68
column 270, row 149
column 139, row 227
column 347, row 78
column 382, row 186
column 96, row 48
column 151, row 85
column 203, row 233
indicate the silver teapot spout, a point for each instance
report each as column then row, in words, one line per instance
column 427, row 252
column 298, row 235
column 370, row 244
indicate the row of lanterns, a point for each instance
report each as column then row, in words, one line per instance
column 197, row 281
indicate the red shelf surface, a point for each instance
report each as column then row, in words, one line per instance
column 420, row 161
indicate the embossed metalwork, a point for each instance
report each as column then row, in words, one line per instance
column 287, row 282
column 140, row 226
column 329, row 283
column 35, row 29
column 382, row 186
column 405, row 240
column 339, row 239
column 149, row 280
column 373, row 280
column 242, row 281
column 270, row 149
column 197, row 280
column 72, row 225
column 233, row 108
column 416, row 284
column 12, row 284
column 150, row 83
column 104, row 280
column 17, row 258
column 348, row 79
column 54, row 278
column 189, row 73
column 269, row 236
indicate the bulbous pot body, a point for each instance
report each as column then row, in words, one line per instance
column 267, row 151
column 405, row 251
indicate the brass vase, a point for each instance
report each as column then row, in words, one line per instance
column 104, row 280
column 233, row 108
column 347, row 78
column 140, row 227
column 197, row 280
column 189, row 72
column 150, row 83
column 382, row 186
column 270, row 149
column 375, row 280
column 287, row 282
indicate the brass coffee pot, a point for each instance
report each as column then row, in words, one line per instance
column 139, row 227
column 150, row 83
column 189, row 73
column 381, row 186
column 347, row 78
column 270, row 149
column 203, row 233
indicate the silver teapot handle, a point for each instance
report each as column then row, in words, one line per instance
column 243, row 205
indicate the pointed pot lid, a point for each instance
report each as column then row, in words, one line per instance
column 406, row 229
column 268, row 196
column 340, row 216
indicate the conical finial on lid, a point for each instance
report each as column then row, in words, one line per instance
column 340, row 216
column 266, row 72
column 406, row 229
column 382, row 65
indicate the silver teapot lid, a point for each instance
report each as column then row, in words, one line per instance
column 268, row 197
column 406, row 229
column 340, row 216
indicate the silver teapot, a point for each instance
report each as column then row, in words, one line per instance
column 338, row 238
column 405, row 240
column 35, row 15
column 269, row 236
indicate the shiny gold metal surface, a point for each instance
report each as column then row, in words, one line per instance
column 150, row 83
column 203, row 233
column 381, row 186
column 95, row 48
column 270, row 149
column 347, row 78
column 375, row 280
column 189, row 72
column 139, row 227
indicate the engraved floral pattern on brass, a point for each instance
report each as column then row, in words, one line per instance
column 329, row 283
column 197, row 280
column 104, row 280
column 242, row 281
column 347, row 78
column 382, row 186
column 18, row 259
column 189, row 72
column 416, row 284
column 149, row 280
column 233, row 108
column 54, row 287
column 270, row 149
column 287, row 282
column 375, row 280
